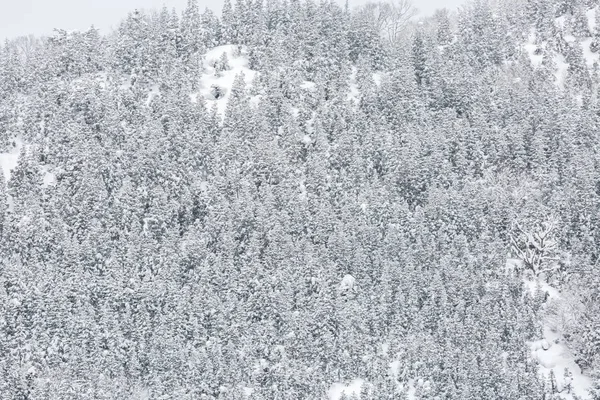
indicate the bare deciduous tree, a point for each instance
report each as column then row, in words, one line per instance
column 536, row 248
column 391, row 17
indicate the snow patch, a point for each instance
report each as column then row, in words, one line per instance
column 255, row 100
column 353, row 94
column 377, row 79
column 48, row 178
column 591, row 16
column 154, row 92
column 590, row 58
column 303, row 193
column 142, row 393
column 348, row 283
column 204, row 187
column 385, row 347
column 307, row 85
column 295, row 112
column 531, row 48
column 536, row 286
column 561, row 70
column 553, row 355
column 214, row 79
column 337, row 390
column 8, row 161
column 395, row 368
column 513, row 265
column 570, row 38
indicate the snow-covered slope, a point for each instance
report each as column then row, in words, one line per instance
column 221, row 79
column 538, row 50
column 551, row 352
column 237, row 63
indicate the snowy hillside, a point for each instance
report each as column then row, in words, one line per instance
column 221, row 66
column 556, row 360
column 301, row 200
column 541, row 49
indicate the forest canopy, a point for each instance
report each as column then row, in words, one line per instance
column 296, row 197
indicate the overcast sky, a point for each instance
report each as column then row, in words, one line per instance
column 39, row 17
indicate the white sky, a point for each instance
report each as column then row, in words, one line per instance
column 39, row 17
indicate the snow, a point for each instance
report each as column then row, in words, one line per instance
column 377, row 79
column 590, row 58
column 127, row 83
column 538, row 285
column 262, row 365
column 513, row 264
column 410, row 386
column 255, row 100
column 353, row 94
column 303, row 193
column 395, row 368
column 531, row 47
column 49, row 178
column 347, row 283
column 307, row 85
column 410, row 394
column 295, row 112
column 591, row 16
column 562, row 66
column 338, row 389
column 10, row 202
column 561, row 71
column 8, row 161
column 410, row 389
column 553, row 355
column 238, row 63
column 385, row 347
column 154, row 91
column 142, row 394
column 87, row 81
column 570, row 38
column 204, row 187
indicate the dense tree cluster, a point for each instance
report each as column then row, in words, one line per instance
column 154, row 248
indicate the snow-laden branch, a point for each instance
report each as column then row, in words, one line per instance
column 536, row 247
